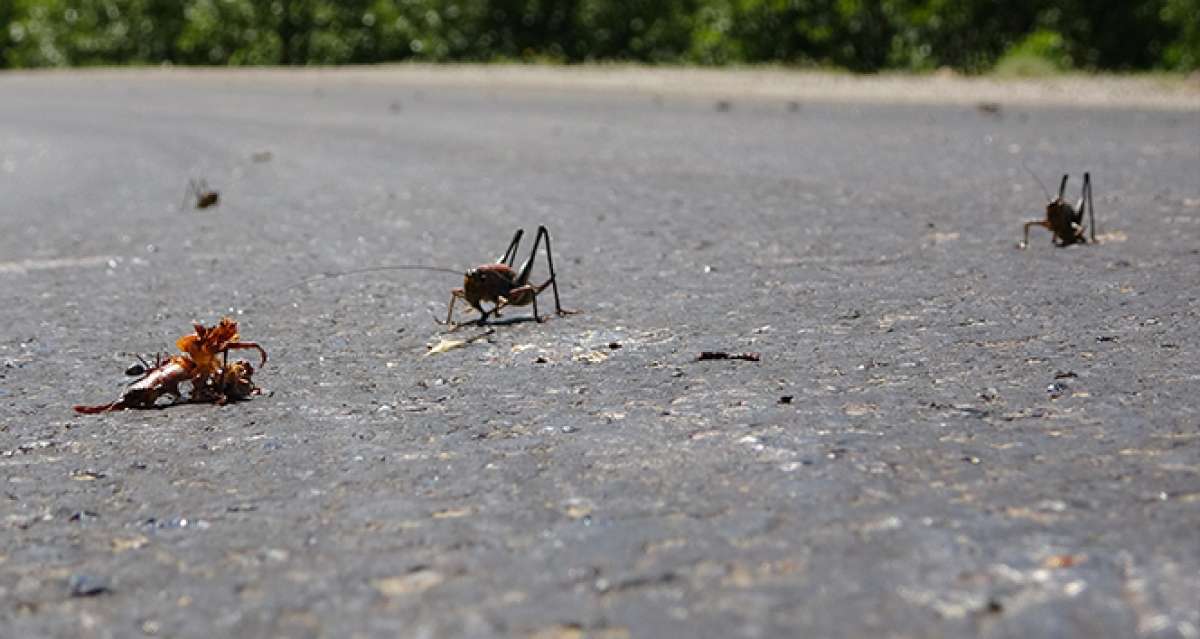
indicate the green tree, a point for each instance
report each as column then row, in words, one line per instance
column 228, row 32
column 641, row 30
column 1182, row 51
column 862, row 35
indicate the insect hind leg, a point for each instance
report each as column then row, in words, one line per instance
column 510, row 253
column 1086, row 201
column 525, row 293
column 192, row 191
column 542, row 233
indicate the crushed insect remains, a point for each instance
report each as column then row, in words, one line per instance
column 204, row 365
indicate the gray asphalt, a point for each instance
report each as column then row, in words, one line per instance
column 587, row 476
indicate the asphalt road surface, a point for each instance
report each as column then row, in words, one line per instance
column 945, row 436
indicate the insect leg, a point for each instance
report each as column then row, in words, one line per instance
column 1087, row 197
column 188, row 193
column 454, row 295
column 511, row 253
column 1078, row 213
column 521, row 282
column 523, row 275
column 243, row 346
column 523, row 292
column 553, row 281
column 550, row 263
column 1025, row 243
column 1062, row 188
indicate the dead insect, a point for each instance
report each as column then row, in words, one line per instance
column 502, row 285
column 212, row 379
column 205, row 197
column 1064, row 221
column 142, row 367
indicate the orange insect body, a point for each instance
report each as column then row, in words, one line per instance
column 212, row 378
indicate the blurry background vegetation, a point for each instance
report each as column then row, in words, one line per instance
column 1018, row 36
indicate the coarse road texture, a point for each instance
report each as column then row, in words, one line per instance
column 979, row 440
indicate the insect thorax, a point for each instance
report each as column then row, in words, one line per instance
column 1062, row 218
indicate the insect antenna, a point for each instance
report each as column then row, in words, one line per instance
column 1039, row 181
column 374, row 269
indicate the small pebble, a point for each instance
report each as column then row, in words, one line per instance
column 86, row 585
column 1056, row 389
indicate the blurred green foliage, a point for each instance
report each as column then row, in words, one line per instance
column 1042, row 52
column 861, row 35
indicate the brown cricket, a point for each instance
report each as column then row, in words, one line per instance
column 498, row 283
column 501, row 285
column 205, row 197
column 1065, row 222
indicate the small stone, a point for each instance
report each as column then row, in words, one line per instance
column 416, row 581
column 86, row 585
column 87, row 475
column 1056, row 389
